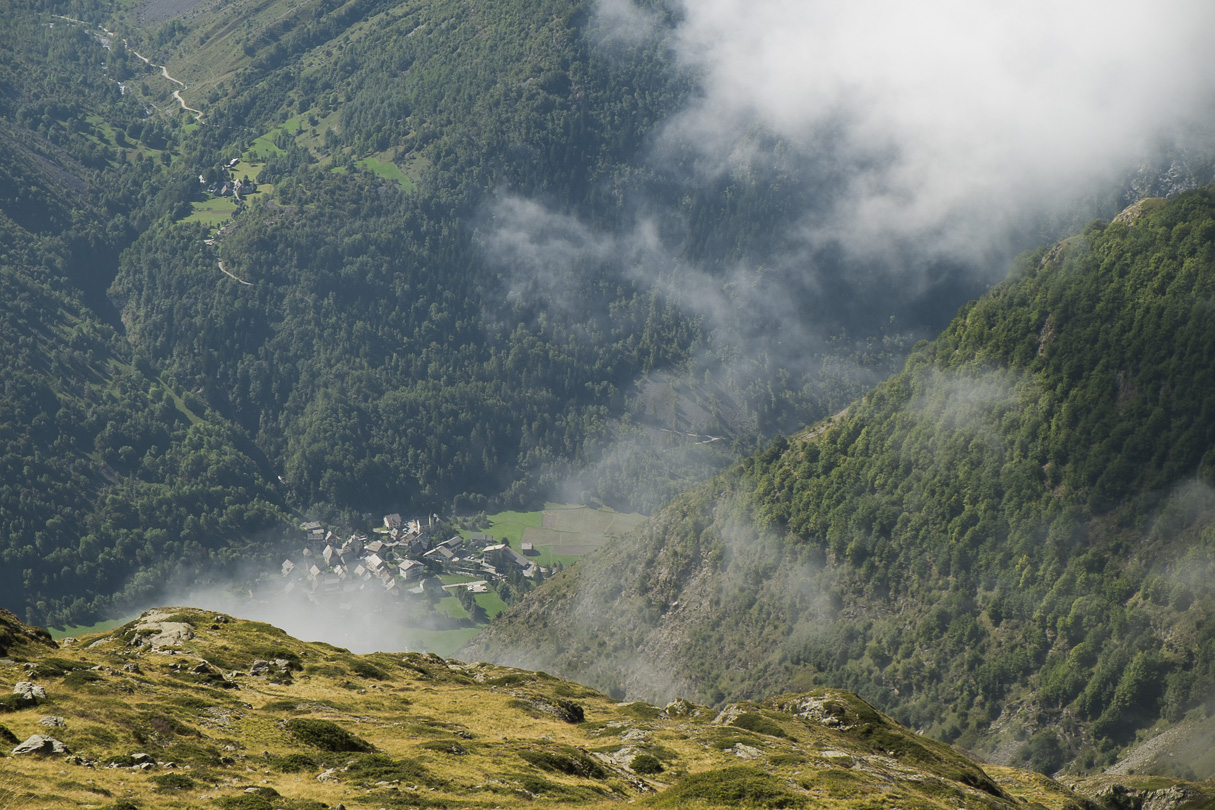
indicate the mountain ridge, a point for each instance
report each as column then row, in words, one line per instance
column 1004, row 542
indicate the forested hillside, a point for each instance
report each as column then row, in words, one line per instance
column 1008, row 544
column 447, row 336
column 392, row 255
column 365, row 334
column 106, row 469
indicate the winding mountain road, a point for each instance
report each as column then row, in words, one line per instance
column 164, row 71
column 224, row 270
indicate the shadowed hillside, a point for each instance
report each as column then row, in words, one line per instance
column 1007, row 545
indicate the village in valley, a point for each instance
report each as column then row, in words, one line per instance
column 423, row 582
column 223, row 182
column 403, row 559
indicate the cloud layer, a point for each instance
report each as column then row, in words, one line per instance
column 953, row 116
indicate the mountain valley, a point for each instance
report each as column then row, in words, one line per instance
column 907, row 355
column 1016, row 527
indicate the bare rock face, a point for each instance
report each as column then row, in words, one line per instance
column 1169, row 798
column 823, row 710
column 1170, row 173
column 1122, row 797
column 156, row 631
column 28, row 694
column 40, row 744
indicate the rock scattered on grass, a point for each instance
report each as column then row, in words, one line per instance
column 28, row 694
column 40, row 744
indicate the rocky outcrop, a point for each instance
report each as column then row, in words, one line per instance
column 154, row 630
column 565, row 710
column 1121, row 797
column 823, row 710
column 40, row 744
column 28, row 694
column 269, row 669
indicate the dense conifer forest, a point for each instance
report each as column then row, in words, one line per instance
column 264, row 263
column 1010, row 539
column 355, row 339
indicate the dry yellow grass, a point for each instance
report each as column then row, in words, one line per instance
column 221, row 730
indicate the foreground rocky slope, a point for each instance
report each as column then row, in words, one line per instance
column 186, row 708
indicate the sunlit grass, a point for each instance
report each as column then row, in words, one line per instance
column 457, row 735
column 388, row 171
column 264, row 145
column 77, row 630
column 508, row 526
column 450, row 606
column 213, row 211
column 490, row 602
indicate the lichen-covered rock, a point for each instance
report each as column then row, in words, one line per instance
column 826, row 711
column 728, row 715
column 264, row 669
column 52, row 721
column 40, row 744
column 156, row 631
column 679, row 707
column 28, row 694
column 744, row 751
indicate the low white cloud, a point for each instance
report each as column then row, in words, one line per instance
column 622, row 23
column 952, row 118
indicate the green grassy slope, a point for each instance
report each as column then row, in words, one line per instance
column 185, row 708
column 1008, row 544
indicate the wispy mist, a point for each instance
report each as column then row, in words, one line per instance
column 362, row 621
column 840, row 165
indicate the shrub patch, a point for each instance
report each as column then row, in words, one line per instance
column 327, row 736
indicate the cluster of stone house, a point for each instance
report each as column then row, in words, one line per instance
column 405, row 558
column 227, row 185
